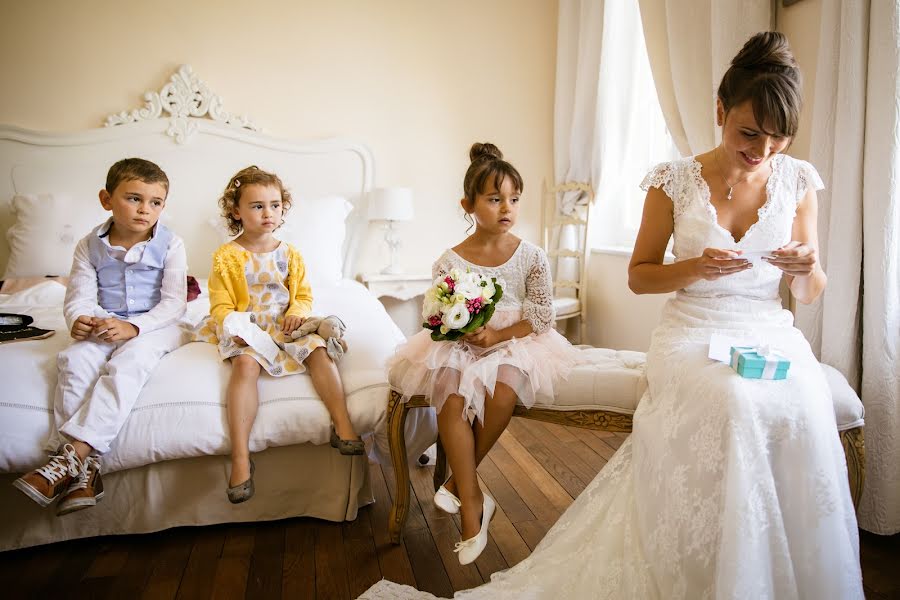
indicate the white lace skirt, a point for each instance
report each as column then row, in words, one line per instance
column 531, row 366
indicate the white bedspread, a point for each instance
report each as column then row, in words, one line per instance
column 181, row 412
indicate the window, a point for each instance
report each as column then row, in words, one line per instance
column 633, row 136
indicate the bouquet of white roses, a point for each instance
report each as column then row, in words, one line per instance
column 459, row 303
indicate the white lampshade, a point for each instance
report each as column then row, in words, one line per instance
column 391, row 204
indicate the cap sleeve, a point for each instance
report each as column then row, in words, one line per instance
column 807, row 178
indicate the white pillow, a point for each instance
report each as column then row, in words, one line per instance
column 317, row 227
column 45, row 231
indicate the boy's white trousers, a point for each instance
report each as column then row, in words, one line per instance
column 99, row 383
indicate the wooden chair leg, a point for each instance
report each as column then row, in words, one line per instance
column 854, row 445
column 396, row 424
column 440, row 466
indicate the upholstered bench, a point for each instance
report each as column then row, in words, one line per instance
column 614, row 381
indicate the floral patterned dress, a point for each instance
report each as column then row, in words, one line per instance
column 267, row 274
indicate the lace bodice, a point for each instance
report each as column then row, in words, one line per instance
column 697, row 226
column 525, row 279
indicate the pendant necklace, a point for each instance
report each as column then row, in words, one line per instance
column 722, row 175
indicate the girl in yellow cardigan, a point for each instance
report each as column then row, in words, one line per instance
column 258, row 274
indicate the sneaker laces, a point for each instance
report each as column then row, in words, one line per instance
column 60, row 465
column 84, row 474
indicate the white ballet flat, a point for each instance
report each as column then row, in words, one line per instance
column 446, row 501
column 470, row 549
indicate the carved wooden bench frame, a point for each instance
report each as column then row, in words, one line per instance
column 852, row 440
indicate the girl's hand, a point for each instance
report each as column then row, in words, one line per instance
column 483, row 337
column 795, row 258
column 714, row 263
column 291, row 324
column 82, row 327
column 114, row 330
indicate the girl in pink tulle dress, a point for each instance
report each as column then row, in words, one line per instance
column 474, row 383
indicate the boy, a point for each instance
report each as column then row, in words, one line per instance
column 126, row 294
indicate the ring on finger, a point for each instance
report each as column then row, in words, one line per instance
column 720, row 270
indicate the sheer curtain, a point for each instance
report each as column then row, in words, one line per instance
column 690, row 43
column 855, row 326
column 609, row 129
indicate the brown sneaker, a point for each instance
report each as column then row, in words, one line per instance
column 85, row 491
column 45, row 483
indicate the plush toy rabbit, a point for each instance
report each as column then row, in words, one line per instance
column 331, row 328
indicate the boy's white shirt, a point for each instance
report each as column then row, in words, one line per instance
column 81, row 292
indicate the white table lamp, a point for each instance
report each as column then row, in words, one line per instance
column 391, row 205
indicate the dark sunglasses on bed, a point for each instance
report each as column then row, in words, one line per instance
column 11, row 322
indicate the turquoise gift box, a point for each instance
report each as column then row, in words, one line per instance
column 759, row 362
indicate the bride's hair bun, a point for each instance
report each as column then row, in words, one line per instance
column 765, row 73
column 486, row 150
column 765, row 50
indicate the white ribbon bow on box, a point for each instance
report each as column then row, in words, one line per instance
column 767, row 352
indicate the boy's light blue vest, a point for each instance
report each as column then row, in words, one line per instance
column 128, row 289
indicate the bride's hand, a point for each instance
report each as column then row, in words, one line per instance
column 795, row 258
column 715, row 263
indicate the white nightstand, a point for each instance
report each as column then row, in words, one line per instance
column 397, row 293
column 401, row 287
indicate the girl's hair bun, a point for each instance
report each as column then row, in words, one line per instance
column 765, row 50
column 486, row 150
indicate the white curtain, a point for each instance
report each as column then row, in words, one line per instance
column 579, row 47
column 855, row 326
column 691, row 43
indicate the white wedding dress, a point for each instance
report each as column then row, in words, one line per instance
column 727, row 487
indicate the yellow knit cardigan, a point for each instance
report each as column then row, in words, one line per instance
column 228, row 286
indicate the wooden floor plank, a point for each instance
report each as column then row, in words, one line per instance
column 393, row 559
column 169, row 565
column 548, row 485
column 539, row 505
column 201, row 565
column 233, row 566
column 595, row 443
column 578, row 461
column 298, row 575
column 331, row 564
column 267, row 563
column 359, row 549
column 540, row 451
column 503, row 492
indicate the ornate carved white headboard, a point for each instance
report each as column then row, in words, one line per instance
column 185, row 130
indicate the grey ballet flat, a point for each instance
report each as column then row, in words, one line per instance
column 242, row 491
column 347, row 447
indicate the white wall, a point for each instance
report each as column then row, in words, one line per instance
column 416, row 81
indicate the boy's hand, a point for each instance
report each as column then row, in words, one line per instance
column 114, row 330
column 82, row 327
column 291, row 323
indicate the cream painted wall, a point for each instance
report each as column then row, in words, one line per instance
column 416, row 81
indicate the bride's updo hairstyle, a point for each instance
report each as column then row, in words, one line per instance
column 488, row 166
column 765, row 72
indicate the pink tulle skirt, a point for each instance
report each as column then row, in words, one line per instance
column 530, row 366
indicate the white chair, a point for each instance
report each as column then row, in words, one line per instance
column 569, row 289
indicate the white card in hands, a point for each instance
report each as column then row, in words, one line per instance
column 756, row 256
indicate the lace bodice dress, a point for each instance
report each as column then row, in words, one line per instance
column 727, row 487
column 531, row 366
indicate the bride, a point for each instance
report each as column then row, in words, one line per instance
column 728, row 487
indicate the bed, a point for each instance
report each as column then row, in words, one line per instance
column 169, row 465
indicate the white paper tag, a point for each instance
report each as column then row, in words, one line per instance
column 720, row 346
